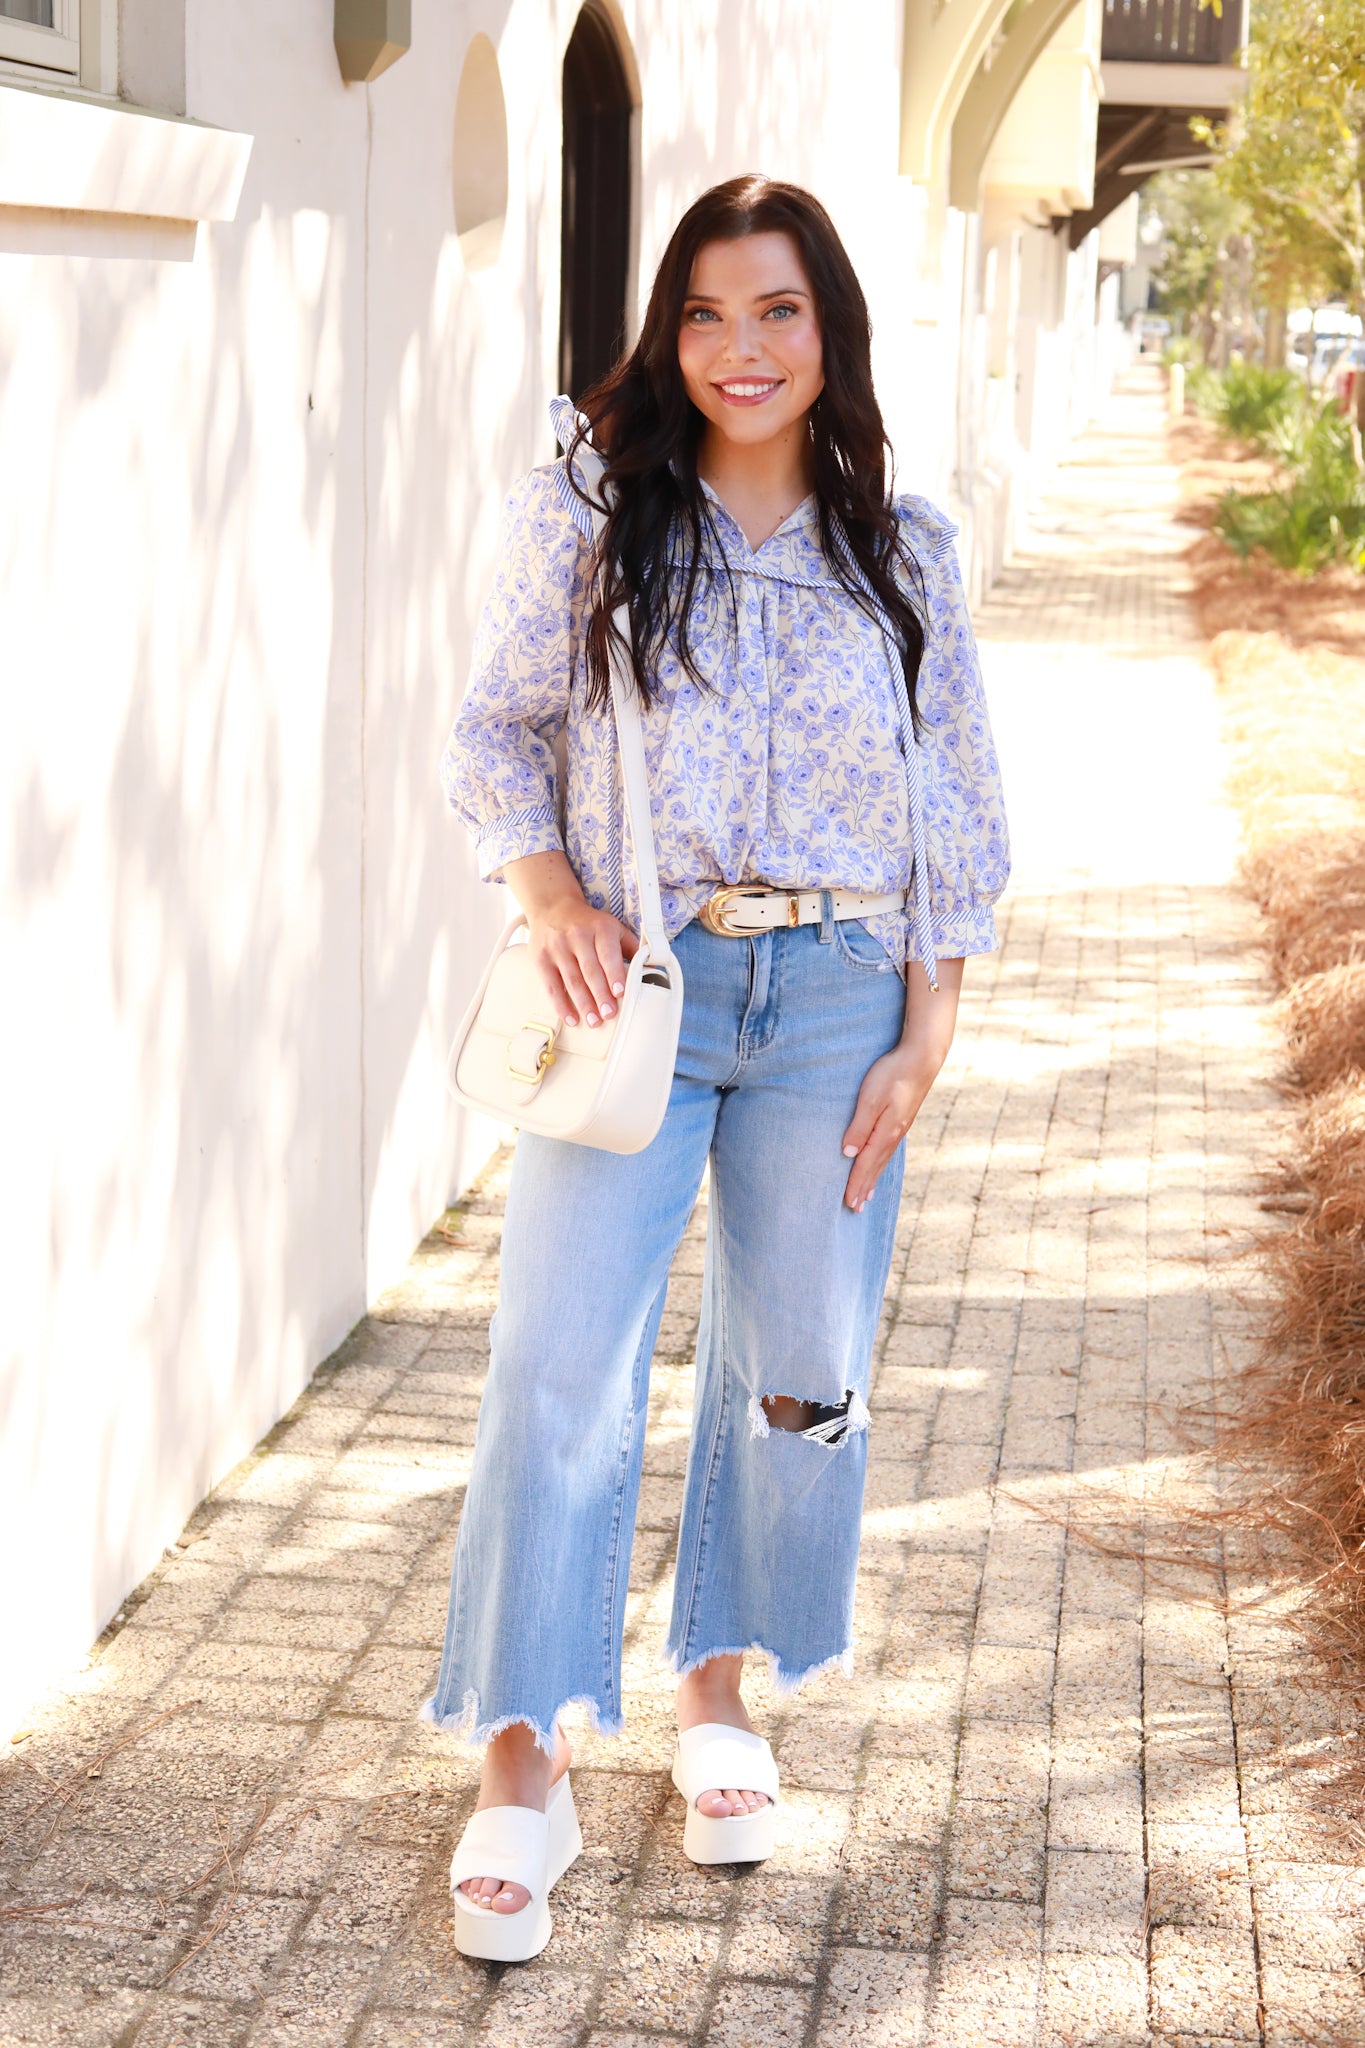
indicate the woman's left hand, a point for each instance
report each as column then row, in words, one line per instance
column 895, row 1086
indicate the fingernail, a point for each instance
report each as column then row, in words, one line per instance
column 618, row 988
column 608, row 1010
column 592, row 1017
column 850, row 1151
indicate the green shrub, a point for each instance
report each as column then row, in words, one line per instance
column 1254, row 404
column 1297, row 527
column 1204, row 390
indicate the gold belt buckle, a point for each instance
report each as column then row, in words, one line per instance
column 712, row 912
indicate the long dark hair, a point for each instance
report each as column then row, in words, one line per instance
column 649, row 431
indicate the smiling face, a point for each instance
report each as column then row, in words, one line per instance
column 749, row 346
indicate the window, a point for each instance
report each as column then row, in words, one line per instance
column 44, row 33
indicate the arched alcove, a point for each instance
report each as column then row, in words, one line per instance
column 480, row 156
column 595, row 233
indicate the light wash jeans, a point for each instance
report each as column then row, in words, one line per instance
column 777, row 1033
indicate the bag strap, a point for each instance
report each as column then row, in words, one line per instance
column 590, row 468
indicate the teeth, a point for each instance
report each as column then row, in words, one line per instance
column 747, row 390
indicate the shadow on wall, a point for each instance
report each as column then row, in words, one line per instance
column 458, row 409
column 241, row 622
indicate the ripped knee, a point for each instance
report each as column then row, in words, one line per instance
column 817, row 1421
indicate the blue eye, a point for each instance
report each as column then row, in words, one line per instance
column 787, row 312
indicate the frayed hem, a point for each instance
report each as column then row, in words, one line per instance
column 466, row 1725
column 793, row 1681
column 784, row 1682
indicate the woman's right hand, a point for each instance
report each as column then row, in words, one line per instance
column 580, row 953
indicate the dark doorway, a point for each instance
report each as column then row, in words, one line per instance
column 595, row 232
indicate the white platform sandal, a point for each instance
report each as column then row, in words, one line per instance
column 709, row 1758
column 519, row 1846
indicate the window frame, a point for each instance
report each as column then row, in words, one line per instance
column 56, row 50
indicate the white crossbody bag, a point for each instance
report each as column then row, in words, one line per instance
column 605, row 1084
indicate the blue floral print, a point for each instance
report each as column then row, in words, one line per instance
column 787, row 766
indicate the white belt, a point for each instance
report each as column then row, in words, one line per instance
column 753, row 907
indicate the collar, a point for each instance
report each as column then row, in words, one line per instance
column 790, row 555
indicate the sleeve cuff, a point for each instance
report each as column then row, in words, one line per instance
column 513, row 834
column 964, row 931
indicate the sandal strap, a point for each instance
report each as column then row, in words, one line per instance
column 712, row 1756
column 506, row 1842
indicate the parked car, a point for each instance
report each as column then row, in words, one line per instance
column 1348, row 367
column 1327, row 352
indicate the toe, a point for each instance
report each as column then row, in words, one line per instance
column 729, row 1803
column 491, row 1891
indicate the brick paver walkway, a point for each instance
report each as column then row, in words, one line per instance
column 1053, row 1805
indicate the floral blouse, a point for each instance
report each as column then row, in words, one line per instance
column 791, row 766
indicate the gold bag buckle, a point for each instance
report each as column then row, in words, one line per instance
column 545, row 1058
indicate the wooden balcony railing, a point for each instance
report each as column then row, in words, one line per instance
column 1171, row 32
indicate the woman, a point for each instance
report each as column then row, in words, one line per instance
column 811, row 707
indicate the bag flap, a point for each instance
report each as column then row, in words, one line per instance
column 516, row 997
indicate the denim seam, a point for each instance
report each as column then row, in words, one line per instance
column 614, row 1545
column 749, row 1046
column 713, row 1455
column 846, row 953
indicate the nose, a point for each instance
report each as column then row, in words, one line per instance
column 745, row 340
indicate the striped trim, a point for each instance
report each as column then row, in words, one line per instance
column 919, row 874
column 567, row 423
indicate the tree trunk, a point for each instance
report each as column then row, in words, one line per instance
column 1276, row 328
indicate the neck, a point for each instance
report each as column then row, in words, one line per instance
column 779, row 471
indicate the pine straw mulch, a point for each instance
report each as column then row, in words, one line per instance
column 1289, row 657
column 1315, row 615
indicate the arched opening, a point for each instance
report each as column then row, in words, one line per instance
column 594, row 265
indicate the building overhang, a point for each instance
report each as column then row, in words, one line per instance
column 1197, row 86
column 1133, row 142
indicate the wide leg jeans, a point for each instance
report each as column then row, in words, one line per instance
column 778, row 1031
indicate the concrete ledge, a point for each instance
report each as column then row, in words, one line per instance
column 91, row 156
column 1172, row 85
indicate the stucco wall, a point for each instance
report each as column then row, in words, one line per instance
column 250, row 503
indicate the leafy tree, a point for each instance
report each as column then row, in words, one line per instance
column 1294, row 154
column 1205, row 239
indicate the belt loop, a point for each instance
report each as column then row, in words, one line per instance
column 826, row 917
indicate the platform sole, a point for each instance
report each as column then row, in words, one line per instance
column 490, row 1937
column 738, row 1838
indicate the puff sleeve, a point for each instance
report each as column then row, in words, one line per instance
column 964, row 809
column 498, row 769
